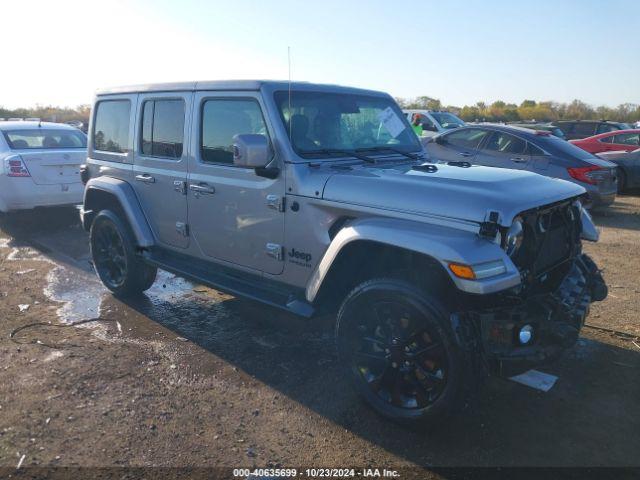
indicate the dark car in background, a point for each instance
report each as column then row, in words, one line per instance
column 537, row 151
column 628, row 168
column 576, row 129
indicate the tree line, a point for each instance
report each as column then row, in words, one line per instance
column 49, row 113
column 497, row 111
column 528, row 110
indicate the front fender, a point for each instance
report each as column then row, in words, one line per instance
column 443, row 244
column 123, row 193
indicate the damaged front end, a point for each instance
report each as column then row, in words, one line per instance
column 534, row 323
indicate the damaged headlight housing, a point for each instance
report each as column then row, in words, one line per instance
column 514, row 237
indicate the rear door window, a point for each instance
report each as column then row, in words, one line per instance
column 584, row 129
column 627, row 139
column 504, row 143
column 567, row 128
column 163, row 128
column 533, row 150
column 467, row 138
column 111, row 126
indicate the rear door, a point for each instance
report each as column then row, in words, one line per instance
column 160, row 164
column 235, row 216
column 504, row 150
column 459, row 145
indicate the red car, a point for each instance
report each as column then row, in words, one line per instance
column 616, row 141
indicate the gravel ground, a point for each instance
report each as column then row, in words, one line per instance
column 190, row 377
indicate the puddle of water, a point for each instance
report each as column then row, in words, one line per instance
column 79, row 294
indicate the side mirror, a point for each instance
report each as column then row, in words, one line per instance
column 250, row 150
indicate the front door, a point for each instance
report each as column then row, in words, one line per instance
column 235, row 216
column 458, row 146
column 504, row 150
column 160, row 164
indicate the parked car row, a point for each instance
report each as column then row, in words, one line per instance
column 506, row 146
column 577, row 129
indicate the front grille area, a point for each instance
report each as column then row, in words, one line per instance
column 552, row 236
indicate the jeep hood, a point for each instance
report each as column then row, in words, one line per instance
column 452, row 192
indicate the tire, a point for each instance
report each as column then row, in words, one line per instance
column 622, row 181
column 114, row 256
column 397, row 346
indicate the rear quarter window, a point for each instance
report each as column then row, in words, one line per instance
column 562, row 148
column 111, row 126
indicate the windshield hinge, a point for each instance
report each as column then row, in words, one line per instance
column 489, row 228
column 182, row 228
column 276, row 202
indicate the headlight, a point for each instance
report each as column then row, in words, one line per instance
column 514, row 238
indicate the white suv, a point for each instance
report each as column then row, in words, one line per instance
column 40, row 165
column 434, row 122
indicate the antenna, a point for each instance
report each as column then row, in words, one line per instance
column 290, row 115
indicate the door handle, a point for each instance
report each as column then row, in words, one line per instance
column 519, row 160
column 202, row 188
column 146, row 178
column 465, row 154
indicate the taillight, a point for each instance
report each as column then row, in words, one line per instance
column 589, row 175
column 15, row 167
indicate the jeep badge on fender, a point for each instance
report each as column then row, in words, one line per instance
column 436, row 274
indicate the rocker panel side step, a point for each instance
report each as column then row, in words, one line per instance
column 229, row 281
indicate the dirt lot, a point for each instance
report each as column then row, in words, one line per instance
column 189, row 377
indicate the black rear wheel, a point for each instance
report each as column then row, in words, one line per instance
column 114, row 256
column 396, row 345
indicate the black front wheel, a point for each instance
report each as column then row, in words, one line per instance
column 114, row 256
column 397, row 346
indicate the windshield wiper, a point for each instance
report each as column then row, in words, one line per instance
column 412, row 156
column 346, row 153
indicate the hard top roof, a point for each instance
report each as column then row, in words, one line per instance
column 246, row 85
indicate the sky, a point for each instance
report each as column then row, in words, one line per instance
column 58, row 52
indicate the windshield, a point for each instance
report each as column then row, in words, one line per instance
column 447, row 120
column 45, row 139
column 322, row 124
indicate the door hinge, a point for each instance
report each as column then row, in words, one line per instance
column 180, row 186
column 276, row 202
column 275, row 251
column 182, row 228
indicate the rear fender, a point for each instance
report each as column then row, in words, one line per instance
column 443, row 244
column 125, row 198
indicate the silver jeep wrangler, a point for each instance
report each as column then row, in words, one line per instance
column 319, row 199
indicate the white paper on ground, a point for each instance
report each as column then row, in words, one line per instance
column 535, row 379
column 391, row 122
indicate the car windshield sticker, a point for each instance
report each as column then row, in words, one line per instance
column 391, row 122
